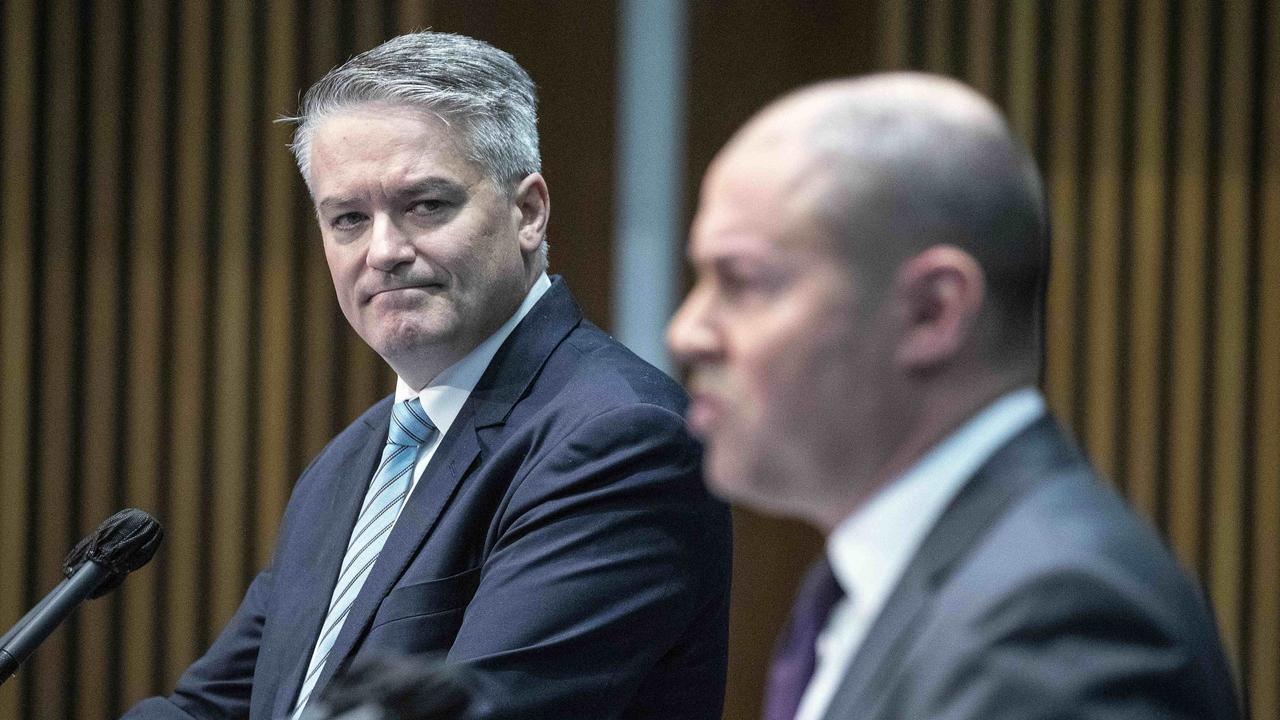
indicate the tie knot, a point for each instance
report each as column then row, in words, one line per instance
column 410, row 425
column 819, row 592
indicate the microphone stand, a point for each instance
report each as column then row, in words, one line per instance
column 36, row 625
column 8, row 635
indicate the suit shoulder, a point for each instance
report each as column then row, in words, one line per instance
column 1066, row 597
column 1073, row 520
column 1073, row 531
column 1071, row 561
column 592, row 363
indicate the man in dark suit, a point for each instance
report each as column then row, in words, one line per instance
column 555, row 538
column 863, row 346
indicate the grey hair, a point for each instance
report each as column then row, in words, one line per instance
column 467, row 83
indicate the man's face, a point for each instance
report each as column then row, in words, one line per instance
column 423, row 247
column 785, row 351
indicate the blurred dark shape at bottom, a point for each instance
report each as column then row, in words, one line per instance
column 395, row 687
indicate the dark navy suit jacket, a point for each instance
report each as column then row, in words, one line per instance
column 560, row 542
column 1039, row 594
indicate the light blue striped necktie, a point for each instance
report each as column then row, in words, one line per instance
column 409, row 429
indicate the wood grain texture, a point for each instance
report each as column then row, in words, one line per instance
column 169, row 339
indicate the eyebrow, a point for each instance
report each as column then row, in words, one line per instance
column 426, row 185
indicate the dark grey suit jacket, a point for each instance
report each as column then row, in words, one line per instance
column 1039, row 594
column 560, row 542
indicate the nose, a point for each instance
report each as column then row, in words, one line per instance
column 692, row 335
column 389, row 245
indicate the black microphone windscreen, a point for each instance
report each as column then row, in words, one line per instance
column 123, row 543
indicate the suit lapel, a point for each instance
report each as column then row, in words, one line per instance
column 1009, row 473
column 305, row 584
column 504, row 382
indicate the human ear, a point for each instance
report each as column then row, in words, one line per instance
column 942, row 291
column 533, row 203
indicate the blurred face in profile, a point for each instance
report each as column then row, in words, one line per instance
column 785, row 350
column 428, row 255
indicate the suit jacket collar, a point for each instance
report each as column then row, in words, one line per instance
column 306, row 585
column 506, row 380
column 1007, row 475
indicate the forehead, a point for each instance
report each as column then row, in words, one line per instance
column 759, row 198
column 390, row 144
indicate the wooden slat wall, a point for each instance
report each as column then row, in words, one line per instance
column 1158, row 126
column 168, row 337
column 168, row 334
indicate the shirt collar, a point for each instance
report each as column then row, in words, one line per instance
column 870, row 549
column 444, row 396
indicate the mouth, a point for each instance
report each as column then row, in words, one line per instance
column 705, row 411
column 405, row 291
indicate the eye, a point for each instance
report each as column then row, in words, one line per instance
column 348, row 221
column 429, row 206
column 739, row 283
column 734, row 283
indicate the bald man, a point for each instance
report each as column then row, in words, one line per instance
column 862, row 346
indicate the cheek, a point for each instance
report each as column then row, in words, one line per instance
column 472, row 255
column 778, row 373
column 803, row 391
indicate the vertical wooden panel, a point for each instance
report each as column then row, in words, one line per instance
column 937, row 35
column 235, row 259
column 368, row 25
column 150, row 477
column 1061, row 324
column 1190, row 268
column 281, row 242
column 895, row 33
column 412, row 15
column 17, row 306
column 1147, row 233
column 206, row 389
column 57, row 330
column 1100, row 316
column 1231, row 265
column 258, row 128
column 188, row 630
column 1020, row 105
column 981, row 57
column 104, row 348
column 1264, row 658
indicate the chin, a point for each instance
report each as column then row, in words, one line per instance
column 746, row 479
column 732, row 479
column 405, row 340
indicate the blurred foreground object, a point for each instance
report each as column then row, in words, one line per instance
column 395, row 687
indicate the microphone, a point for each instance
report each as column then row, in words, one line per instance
column 394, row 687
column 97, row 565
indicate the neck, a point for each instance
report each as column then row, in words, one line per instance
column 933, row 415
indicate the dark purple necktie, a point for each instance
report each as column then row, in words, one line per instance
column 795, row 657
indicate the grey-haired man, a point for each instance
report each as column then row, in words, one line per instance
column 528, row 502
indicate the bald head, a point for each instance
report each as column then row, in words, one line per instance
column 869, row 255
column 893, row 164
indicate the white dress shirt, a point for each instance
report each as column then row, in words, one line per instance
column 445, row 395
column 870, row 550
